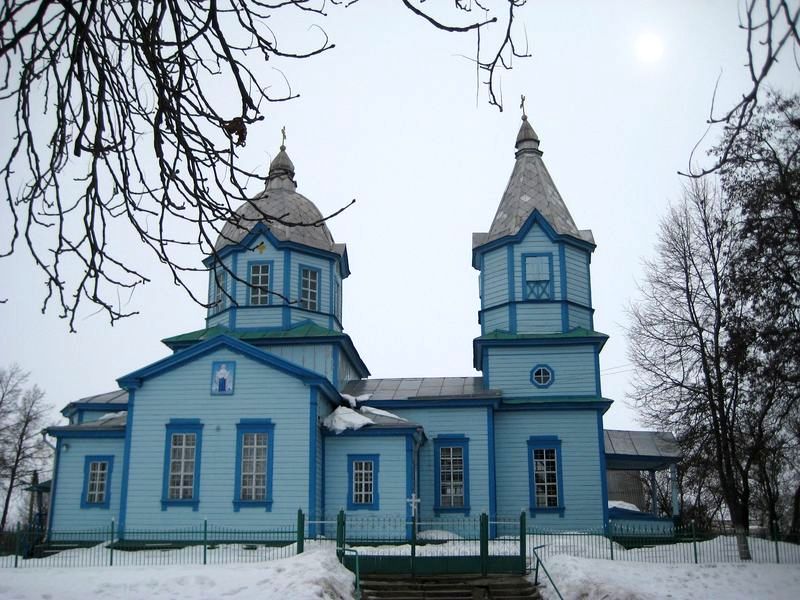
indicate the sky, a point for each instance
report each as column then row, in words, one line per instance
column 618, row 92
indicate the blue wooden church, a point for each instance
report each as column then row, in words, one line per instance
column 269, row 408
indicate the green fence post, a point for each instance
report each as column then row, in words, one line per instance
column 301, row 531
column 523, row 533
column 484, row 543
column 16, row 548
column 111, row 546
column 205, row 541
column 694, row 543
column 340, row 535
column 609, row 533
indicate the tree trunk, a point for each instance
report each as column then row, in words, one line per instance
column 794, row 531
column 740, row 518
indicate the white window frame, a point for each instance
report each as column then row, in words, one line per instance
column 259, row 283
column 363, row 482
column 253, row 482
column 309, row 288
column 182, row 466
column 97, row 485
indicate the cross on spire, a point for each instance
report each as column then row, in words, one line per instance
column 283, row 136
column 522, row 106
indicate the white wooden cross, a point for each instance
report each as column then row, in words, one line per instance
column 414, row 502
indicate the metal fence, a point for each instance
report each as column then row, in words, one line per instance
column 387, row 544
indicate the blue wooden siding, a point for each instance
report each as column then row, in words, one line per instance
column 271, row 254
column 581, row 473
column 579, row 317
column 573, row 370
column 346, row 371
column 495, row 320
column 577, row 275
column 470, row 422
column 314, row 357
column 539, row 317
column 391, row 482
column 184, row 393
column 259, row 316
column 324, row 408
column 495, row 278
column 213, row 313
column 536, row 241
column 68, row 514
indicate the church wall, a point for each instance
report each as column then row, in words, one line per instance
column 573, row 368
column 392, row 484
column 581, row 481
column 495, row 278
column 260, row 392
column 468, row 422
column 70, row 482
column 260, row 316
column 494, row 320
column 270, row 255
column 577, row 266
column 539, row 317
column 314, row 357
column 579, row 317
column 536, row 241
column 347, row 371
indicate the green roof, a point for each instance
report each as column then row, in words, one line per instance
column 578, row 332
column 304, row 330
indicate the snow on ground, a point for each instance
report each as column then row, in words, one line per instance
column 593, row 579
column 313, row 575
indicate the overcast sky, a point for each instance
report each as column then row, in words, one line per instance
column 618, row 92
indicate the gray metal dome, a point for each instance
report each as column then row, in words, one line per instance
column 280, row 200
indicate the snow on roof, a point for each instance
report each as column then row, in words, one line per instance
column 344, row 418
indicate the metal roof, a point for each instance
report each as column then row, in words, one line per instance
column 530, row 188
column 280, row 199
column 640, row 449
column 420, row 388
column 115, row 422
column 113, row 400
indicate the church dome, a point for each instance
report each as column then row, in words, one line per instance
column 280, row 200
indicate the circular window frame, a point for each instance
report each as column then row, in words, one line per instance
column 548, row 369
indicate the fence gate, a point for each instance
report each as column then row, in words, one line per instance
column 395, row 545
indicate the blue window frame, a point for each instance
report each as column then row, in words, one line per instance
column 255, row 443
column 451, row 473
column 97, row 470
column 309, row 281
column 223, row 377
column 537, row 276
column 337, row 306
column 542, row 376
column 259, row 279
column 363, row 471
column 182, row 453
column 219, row 300
column 544, row 475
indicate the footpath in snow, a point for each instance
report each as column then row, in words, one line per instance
column 313, row 575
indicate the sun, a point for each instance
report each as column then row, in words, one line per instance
column 648, row 47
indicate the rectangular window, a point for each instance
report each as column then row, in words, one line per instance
column 254, row 452
column 362, row 482
column 182, row 454
column 362, row 474
column 97, row 481
column 451, row 480
column 254, row 467
column 544, row 472
column 96, row 492
column 451, row 473
column 538, row 284
column 546, row 477
column 336, row 303
column 309, row 289
column 259, row 284
column 183, row 449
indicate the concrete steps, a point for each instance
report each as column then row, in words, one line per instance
column 453, row 587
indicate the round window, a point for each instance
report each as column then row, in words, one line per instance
column 541, row 376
